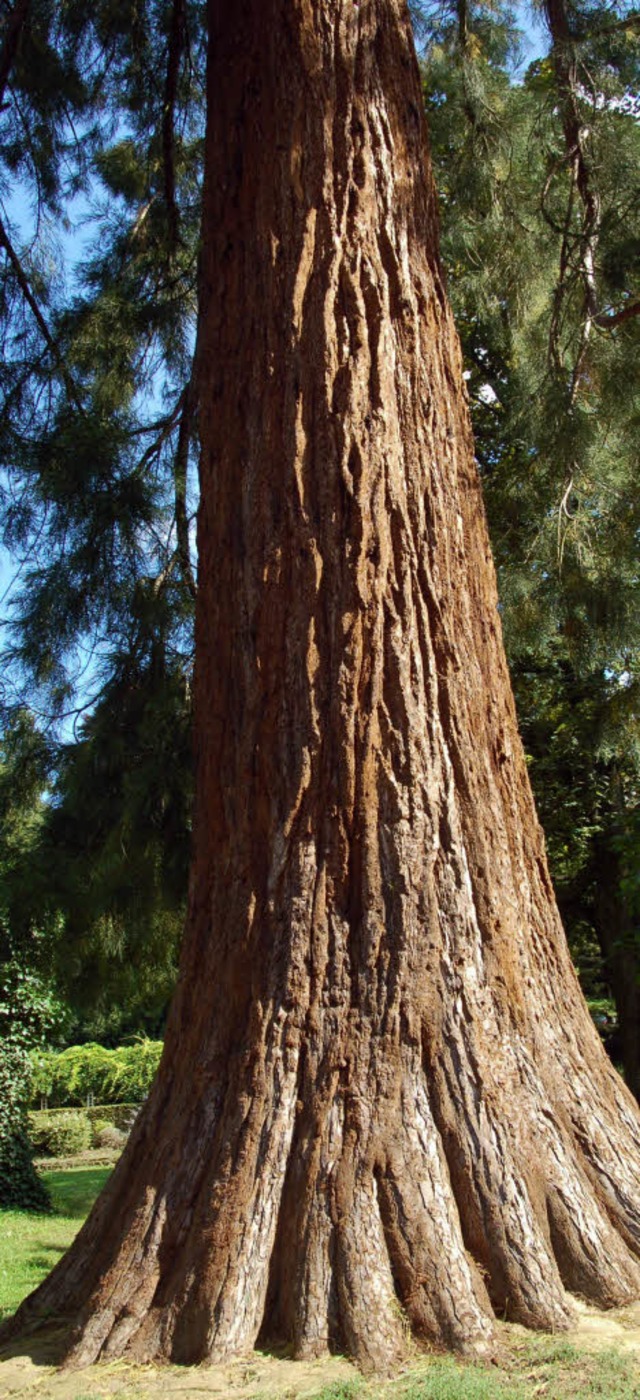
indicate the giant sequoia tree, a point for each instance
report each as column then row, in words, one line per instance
column 380, row 1080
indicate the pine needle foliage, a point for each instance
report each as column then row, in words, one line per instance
column 540, row 206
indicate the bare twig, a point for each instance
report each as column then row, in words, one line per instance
column 563, row 514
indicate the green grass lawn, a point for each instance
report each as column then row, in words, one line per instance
column 31, row 1244
column 542, row 1368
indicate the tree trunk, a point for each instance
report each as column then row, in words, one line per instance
column 382, row 1105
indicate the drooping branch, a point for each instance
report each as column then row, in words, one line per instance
column 565, row 254
column 182, row 417
column 163, row 429
column 177, row 37
column 180, row 487
column 15, row 26
column 583, row 182
column 579, row 245
column 32, row 303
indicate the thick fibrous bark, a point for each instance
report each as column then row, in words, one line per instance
column 380, row 1081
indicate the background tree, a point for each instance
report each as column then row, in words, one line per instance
column 98, row 422
column 553, row 387
column 120, row 817
column 29, row 1009
column 97, row 438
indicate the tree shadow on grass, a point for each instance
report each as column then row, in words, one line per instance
column 74, row 1192
column 42, row 1260
column 44, row 1347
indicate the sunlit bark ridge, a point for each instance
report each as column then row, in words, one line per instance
column 382, row 1106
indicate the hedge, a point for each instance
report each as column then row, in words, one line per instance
column 66, row 1078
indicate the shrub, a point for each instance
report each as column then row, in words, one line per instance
column 61, row 1134
column 28, row 1012
column 67, row 1077
column 20, row 1186
column 98, row 1126
column 111, row 1138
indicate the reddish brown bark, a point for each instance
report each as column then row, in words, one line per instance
column 381, row 1100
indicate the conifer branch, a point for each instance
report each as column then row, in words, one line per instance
column 15, row 25
column 180, row 488
column 608, row 320
column 561, row 286
column 177, row 35
column 25, row 288
column 182, row 416
column 575, row 136
column 598, row 31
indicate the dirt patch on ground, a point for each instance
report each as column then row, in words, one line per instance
column 250, row 1378
column 619, row 1329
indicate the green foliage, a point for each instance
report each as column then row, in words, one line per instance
column 98, row 435
column 540, row 237
column 61, row 1134
column 30, row 1009
column 98, row 1126
column 92, row 879
column 28, row 1012
column 28, row 926
column 97, row 429
column 20, row 1185
column 115, row 1118
column 121, row 815
column 110, row 1139
column 553, row 385
column 112, row 1076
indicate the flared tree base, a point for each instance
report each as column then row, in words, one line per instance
column 348, row 1202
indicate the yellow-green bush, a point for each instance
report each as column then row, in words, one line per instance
column 68, row 1077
